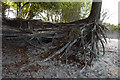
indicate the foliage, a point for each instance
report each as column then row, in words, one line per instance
column 4, row 7
column 118, row 27
column 69, row 11
column 112, row 27
column 54, row 11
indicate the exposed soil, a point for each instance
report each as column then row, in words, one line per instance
column 22, row 63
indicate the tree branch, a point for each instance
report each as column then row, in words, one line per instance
column 24, row 4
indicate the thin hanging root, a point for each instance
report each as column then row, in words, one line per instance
column 59, row 55
column 60, row 44
column 56, row 53
column 50, row 53
column 61, row 49
column 71, row 45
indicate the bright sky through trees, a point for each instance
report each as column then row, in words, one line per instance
column 112, row 7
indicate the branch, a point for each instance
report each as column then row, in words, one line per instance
column 24, row 4
column 28, row 12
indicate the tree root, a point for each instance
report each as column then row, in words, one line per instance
column 67, row 37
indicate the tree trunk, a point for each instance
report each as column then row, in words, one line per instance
column 94, row 14
column 95, row 11
column 19, row 9
column 48, row 15
column 3, row 9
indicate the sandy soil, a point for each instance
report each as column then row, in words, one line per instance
column 28, row 66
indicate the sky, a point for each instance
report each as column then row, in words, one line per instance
column 108, row 5
column 112, row 7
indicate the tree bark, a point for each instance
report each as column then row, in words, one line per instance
column 19, row 5
column 95, row 11
column 17, row 10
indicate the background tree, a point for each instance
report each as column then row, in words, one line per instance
column 4, row 7
column 54, row 11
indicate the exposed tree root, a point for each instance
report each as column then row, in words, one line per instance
column 60, row 39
